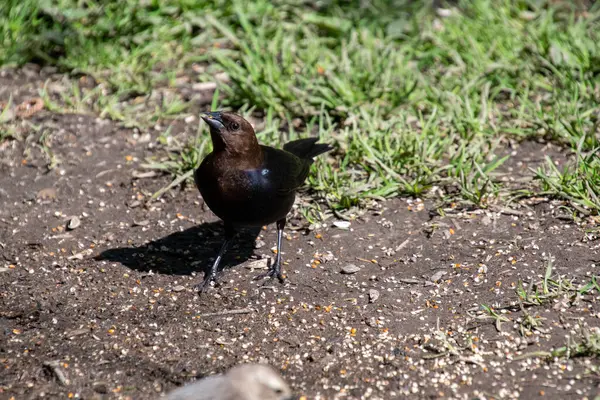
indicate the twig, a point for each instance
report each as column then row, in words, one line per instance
column 471, row 360
column 228, row 312
column 509, row 211
column 535, row 354
column 54, row 366
column 402, row 245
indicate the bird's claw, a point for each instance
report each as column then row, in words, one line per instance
column 272, row 272
column 206, row 283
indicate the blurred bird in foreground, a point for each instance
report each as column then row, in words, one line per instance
column 250, row 185
column 242, row 382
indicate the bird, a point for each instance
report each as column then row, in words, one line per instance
column 242, row 382
column 250, row 185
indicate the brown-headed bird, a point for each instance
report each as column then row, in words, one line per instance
column 250, row 185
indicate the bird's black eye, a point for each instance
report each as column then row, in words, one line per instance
column 278, row 391
column 234, row 126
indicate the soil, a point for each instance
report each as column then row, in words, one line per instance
column 106, row 310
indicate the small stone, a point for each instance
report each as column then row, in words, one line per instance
column 259, row 244
column 410, row 281
column 141, row 223
column 328, row 257
column 142, row 175
column 350, row 269
column 47, row 194
column 4, row 269
column 134, row 204
column 73, row 223
column 223, row 77
column 437, row 276
column 81, row 255
column 221, row 341
column 178, row 288
column 373, row 295
column 263, row 263
column 342, row 224
column 77, row 332
column 100, row 387
column 444, row 12
column 204, row 86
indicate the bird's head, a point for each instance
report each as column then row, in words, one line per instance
column 231, row 132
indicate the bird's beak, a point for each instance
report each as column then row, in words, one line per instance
column 214, row 121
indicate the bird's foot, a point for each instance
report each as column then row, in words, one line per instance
column 206, row 283
column 275, row 270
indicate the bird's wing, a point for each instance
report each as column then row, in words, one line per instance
column 290, row 171
column 211, row 388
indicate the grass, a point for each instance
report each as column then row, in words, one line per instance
column 413, row 98
column 579, row 181
column 537, row 294
column 585, row 344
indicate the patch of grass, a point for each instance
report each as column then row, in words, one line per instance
column 551, row 287
column 585, row 344
column 578, row 182
column 6, row 131
column 489, row 312
column 411, row 97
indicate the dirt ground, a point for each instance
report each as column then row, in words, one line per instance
column 106, row 310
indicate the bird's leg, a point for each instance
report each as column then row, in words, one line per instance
column 275, row 269
column 211, row 275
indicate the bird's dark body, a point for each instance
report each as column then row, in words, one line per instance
column 251, row 196
column 249, row 185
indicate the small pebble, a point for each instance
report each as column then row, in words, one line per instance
column 263, row 263
column 204, row 86
column 141, row 223
column 101, row 387
column 178, row 288
column 342, row 224
column 259, row 244
column 142, row 175
column 410, row 281
column 438, row 275
column 328, row 257
column 373, row 295
column 73, row 223
column 46, row 194
column 350, row 269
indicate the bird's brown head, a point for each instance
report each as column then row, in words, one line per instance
column 231, row 132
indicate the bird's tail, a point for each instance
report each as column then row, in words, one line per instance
column 307, row 148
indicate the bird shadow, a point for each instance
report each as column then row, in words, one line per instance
column 184, row 252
